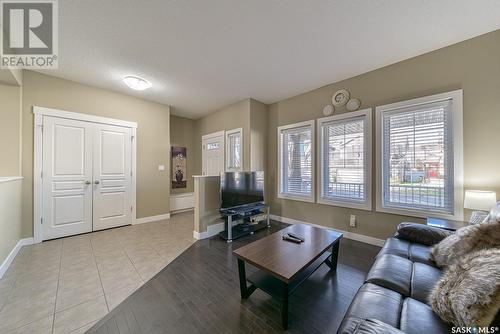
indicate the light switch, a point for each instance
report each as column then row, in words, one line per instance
column 161, row 167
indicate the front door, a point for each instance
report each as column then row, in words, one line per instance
column 213, row 153
column 112, row 176
column 67, row 176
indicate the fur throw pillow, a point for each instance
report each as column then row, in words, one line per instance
column 464, row 241
column 468, row 294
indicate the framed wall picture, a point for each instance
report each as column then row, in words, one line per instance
column 179, row 167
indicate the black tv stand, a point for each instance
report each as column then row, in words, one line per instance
column 243, row 214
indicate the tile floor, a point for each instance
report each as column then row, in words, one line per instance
column 66, row 285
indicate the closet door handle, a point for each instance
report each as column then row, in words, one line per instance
column 97, row 182
column 87, row 182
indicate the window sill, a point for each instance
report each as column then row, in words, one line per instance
column 458, row 216
column 308, row 199
column 351, row 205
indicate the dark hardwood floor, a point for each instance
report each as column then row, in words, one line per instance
column 199, row 293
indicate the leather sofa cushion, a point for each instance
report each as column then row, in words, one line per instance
column 420, row 253
column 410, row 279
column 375, row 302
column 392, row 272
column 418, row 318
column 420, row 233
column 396, row 247
column 412, row 251
column 423, row 280
column 353, row 325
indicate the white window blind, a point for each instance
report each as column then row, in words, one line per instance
column 234, row 150
column 343, row 160
column 418, row 171
column 296, row 161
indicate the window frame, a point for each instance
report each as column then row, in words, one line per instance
column 228, row 148
column 368, row 162
column 280, row 194
column 456, row 113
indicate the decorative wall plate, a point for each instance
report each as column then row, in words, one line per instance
column 353, row 104
column 340, row 97
column 328, row 110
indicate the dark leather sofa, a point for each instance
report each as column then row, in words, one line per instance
column 394, row 296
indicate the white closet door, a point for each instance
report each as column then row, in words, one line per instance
column 67, row 176
column 112, row 176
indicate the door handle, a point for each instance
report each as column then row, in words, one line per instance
column 87, row 182
column 97, row 182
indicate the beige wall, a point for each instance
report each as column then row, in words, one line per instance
column 473, row 66
column 153, row 136
column 259, row 140
column 182, row 133
column 11, row 77
column 258, row 135
column 10, row 216
column 231, row 117
column 10, row 130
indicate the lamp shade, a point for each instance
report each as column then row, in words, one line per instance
column 480, row 200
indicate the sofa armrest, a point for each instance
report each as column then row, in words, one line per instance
column 354, row 325
column 422, row 234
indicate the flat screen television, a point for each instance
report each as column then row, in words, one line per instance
column 241, row 188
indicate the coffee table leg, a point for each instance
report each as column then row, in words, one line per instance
column 243, row 279
column 284, row 310
column 332, row 261
column 244, row 290
column 335, row 255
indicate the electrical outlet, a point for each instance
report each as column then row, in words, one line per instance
column 161, row 167
column 352, row 221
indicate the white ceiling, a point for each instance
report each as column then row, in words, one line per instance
column 201, row 55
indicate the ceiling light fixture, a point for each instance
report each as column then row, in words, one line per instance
column 136, row 82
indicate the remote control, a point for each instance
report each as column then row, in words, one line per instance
column 297, row 241
column 296, row 236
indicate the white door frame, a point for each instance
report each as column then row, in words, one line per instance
column 39, row 113
column 222, row 134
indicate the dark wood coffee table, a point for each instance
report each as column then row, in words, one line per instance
column 285, row 265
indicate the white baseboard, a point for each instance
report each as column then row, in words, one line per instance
column 348, row 235
column 8, row 261
column 210, row 232
column 151, row 219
